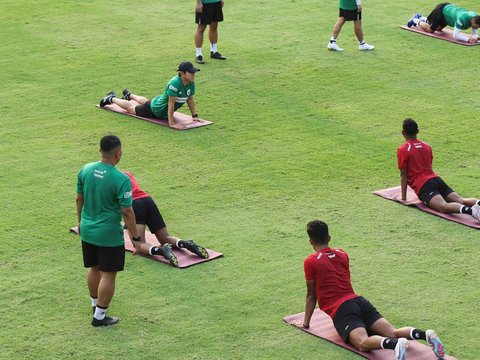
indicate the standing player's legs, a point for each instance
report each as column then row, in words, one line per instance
column 332, row 45
column 199, row 38
column 357, row 27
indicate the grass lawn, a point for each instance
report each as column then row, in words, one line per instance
column 300, row 133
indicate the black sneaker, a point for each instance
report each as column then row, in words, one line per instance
column 107, row 99
column 107, row 320
column 169, row 255
column 195, row 248
column 217, row 55
column 126, row 94
column 200, row 60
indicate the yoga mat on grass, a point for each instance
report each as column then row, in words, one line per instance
column 394, row 193
column 185, row 258
column 445, row 34
column 181, row 118
column 321, row 325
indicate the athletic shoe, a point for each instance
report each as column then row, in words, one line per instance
column 107, row 99
column 93, row 310
column 169, row 255
column 200, row 60
column 476, row 212
column 401, row 349
column 126, row 94
column 333, row 46
column 410, row 22
column 417, row 16
column 435, row 343
column 365, row 47
column 217, row 55
column 107, row 320
column 198, row 250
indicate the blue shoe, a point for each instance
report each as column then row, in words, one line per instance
column 417, row 16
column 410, row 22
column 435, row 343
column 401, row 349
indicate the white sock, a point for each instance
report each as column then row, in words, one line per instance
column 423, row 18
column 332, row 39
column 150, row 250
column 198, row 52
column 176, row 244
column 94, row 301
column 213, row 48
column 100, row 313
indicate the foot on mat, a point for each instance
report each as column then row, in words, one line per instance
column 217, row 55
column 126, row 94
column 401, row 349
column 106, row 321
column 198, row 250
column 107, row 99
column 169, row 255
column 435, row 343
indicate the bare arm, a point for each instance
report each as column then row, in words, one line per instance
column 129, row 219
column 403, row 183
column 457, row 34
column 310, row 303
column 191, row 106
column 198, row 6
column 79, row 204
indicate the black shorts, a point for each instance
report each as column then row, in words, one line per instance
column 355, row 313
column 436, row 19
column 212, row 12
column 108, row 259
column 350, row 15
column 432, row 187
column 144, row 110
column 147, row 213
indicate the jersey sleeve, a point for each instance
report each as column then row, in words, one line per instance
column 79, row 182
column 309, row 269
column 172, row 88
column 124, row 193
column 402, row 158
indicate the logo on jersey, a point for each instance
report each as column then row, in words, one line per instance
column 127, row 194
column 188, row 92
column 171, row 87
column 99, row 173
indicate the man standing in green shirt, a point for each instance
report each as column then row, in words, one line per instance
column 179, row 90
column 446, row 14
column 350, row 10
column 104, row 196
column 208, row 12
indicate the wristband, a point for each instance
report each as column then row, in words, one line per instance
column 194, row 115
column 136, row 238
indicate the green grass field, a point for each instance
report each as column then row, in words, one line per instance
column 300, row 133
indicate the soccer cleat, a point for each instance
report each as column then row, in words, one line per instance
column 200, row 60
column 107, row 99
column 365, row 47
column 106, row 321
column 126, row 94
column 401, row 349
column 169, row 255
column 217, row 55
column 198, row 250
column 435, row 343
column 410, row 22
column 333, row 46
column 476, row 212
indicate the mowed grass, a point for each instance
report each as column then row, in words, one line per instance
column 300, row 133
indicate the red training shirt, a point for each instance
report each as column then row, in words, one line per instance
column 137, row 193
column 416, row 156
column 329, row 268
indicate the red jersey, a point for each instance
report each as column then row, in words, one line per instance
column 416, row 156
column 137, row 193
column 329, row 268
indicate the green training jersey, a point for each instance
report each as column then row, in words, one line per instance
column 210, row 1
column 348, row 4
column 105, row 189
column 175, row 87
column 458, row 17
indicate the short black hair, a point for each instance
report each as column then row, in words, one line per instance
column 109, row 143
column 410, row 127
column 318, row 232
column 476, row 19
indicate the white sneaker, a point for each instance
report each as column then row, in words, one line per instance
column 476, row 212
column 435, row 343
column 333, row 46
column 401, row 349
column 365, row 46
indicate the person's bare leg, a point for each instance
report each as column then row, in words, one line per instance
column 125, row 104
column 438, row 203
column 139, row 99
column 213, row 32
column 199, row 35
column 454, row 197
column 93, row 279
column 360, row 340
column 357, row 27
column 383, row 327
column 164, row 238
column 338, row 26
column 106, row 288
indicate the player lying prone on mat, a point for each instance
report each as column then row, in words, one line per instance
column 147, row 213
column 356, row 320
column 180, row 90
